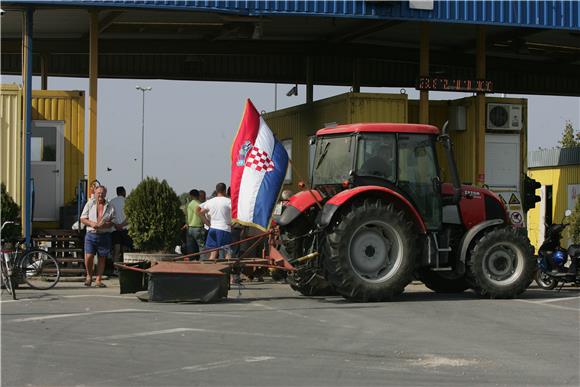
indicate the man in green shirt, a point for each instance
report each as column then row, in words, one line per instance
column 194, row 226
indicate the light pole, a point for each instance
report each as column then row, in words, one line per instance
column 143, row 89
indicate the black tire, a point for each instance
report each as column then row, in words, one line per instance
column 39, row 269
column 372, row 252
column 7, row 278
column 443, row 282
column 501, row 264
column 278, row 275
column 310, row 284
column 544, row 281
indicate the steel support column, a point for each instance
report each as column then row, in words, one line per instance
column 93, row 82
column 480, row 73
column 27, row 22
column 309, row 80
column 44, row 71
column 424, row 72
column 355, row 75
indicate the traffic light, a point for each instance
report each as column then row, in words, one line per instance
column 529, row 195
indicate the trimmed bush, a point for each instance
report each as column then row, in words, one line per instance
column 10, row 212
column 572, row 232
column 154, row 216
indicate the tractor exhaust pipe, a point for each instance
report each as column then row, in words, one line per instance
column 448, row 145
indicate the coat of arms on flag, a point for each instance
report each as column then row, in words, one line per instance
column 259, row 163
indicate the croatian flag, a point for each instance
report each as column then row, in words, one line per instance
column 259, row 163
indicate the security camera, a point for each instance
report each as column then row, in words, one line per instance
column 2, row 12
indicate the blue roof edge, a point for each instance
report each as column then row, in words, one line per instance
column 538, row 14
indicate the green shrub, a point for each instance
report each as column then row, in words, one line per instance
column 572, row 232
column 154, row 216
column 10, row 212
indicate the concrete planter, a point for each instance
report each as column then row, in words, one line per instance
column 147, row 257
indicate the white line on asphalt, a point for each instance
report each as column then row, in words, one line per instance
column 550, row 305
column 67, row 315
column 192, row 368
column 99, row 296
column 177, row 330
column 54, row 297
column 556, row 299
column 290, row 313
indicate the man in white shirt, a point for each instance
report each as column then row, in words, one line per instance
column 121, row 237
column 217, row 214
column 99, row 217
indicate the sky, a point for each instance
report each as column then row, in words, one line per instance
column 189, row 125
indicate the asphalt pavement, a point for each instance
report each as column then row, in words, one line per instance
column 265, row 334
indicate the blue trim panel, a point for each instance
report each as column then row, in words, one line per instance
column 529, row 13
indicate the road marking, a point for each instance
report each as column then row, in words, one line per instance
column 56, row 297
column 99, row 296
column 294, row 314
column 550, row 305
column 556, row 299
column 178, row 330
column 68, row 315
column 193, row 368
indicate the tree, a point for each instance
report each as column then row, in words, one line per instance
column 10, row 211
column 184, row 198
column 569, row 139
column 572, row 232
column 154, row 216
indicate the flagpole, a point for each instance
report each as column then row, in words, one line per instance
column 295, row 170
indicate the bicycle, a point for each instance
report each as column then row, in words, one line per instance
column 33, row 266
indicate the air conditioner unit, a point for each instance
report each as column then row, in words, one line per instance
column 504, row 116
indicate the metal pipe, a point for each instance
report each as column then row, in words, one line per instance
column 143, row 89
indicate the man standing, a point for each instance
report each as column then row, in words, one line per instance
column 219, row 210
column 99, row 217
column 194, row 225
column 121, row 234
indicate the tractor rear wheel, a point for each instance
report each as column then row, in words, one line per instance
column 372, row 252
column 443, row 282
column 502, row 264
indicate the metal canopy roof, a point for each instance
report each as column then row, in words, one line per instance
column 532, row 47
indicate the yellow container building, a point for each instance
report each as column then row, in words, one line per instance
column 558, row 170
column 57, row 148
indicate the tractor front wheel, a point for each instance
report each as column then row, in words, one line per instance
column 502, row 264
column 372, row 251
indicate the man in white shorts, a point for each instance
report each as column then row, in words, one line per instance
column 217, row 214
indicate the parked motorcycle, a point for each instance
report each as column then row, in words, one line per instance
column 553, row 267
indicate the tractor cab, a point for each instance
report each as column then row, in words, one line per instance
column 400, row 157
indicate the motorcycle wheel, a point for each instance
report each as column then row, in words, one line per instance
column 544, row 281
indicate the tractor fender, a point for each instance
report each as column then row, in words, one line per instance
column 298, row 204
column 343, row 197
column 468, row 237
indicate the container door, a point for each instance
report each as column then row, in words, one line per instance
column 47, row 163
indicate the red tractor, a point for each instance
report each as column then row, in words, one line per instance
column 378, row 216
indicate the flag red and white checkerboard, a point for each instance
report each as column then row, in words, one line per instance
column 259, row 160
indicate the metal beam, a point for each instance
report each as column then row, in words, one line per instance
column 93, row 83
column 361, row 30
